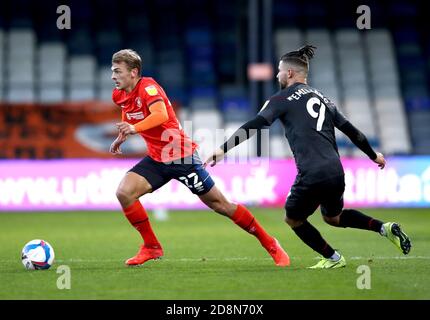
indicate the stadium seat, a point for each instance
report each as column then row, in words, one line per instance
column 411, row 62
column 105, row 84
column 279, row 147
column 108, row 42
column 82, row 77
column 392, row 121
column 287, row 40
column 236, row 109
column 172, row 73
column 79, row 42
column 389, row 108
column 200, row 54
column 51, row 72
column 323, row 70
column 418, row 103
column 315, row 13
column 204, row 126
column 286, row 14
column 203, row 98
column 359, row 113
column 356, row 97
column 20, row 53
column 202, row 64
column 420, row 130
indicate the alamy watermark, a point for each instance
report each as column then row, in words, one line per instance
column 64, row 281
column 176, row 150
column 364, row 281
column 364, row 20
column 64, row 21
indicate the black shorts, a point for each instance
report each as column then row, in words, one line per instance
column 188, row 170
column 303, row 200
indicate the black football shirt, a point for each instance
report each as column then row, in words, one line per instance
column 309, row 119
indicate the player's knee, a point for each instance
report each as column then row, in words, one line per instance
column 333, row 221
column 293, row 223
column 124, row 196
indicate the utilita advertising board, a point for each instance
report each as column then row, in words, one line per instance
column 28, row 185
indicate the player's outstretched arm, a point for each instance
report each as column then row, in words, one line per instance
column 157, row 117
column 216, row 157
column 360, row 140
column 380, row 160
column 242, row 134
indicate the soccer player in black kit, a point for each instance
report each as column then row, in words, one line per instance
column 309, row 119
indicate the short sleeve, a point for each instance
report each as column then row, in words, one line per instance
column 150, row 93
column 273, row 108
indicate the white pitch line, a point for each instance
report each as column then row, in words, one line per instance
column 203, row 259
column 254, row 259
column 393, row 258
column 169, row 259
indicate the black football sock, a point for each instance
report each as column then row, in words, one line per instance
column 311, row 236
column 355, row 219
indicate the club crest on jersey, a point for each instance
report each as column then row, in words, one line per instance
column 152, row 90
column 138, row 102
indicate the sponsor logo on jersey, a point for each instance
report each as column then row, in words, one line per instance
column 138, row 102
column 152, row 90
column 135, row 115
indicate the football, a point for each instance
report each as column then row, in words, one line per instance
column 37, row 255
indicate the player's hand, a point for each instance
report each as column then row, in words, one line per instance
column 115, row 146
column 125, row 128
column 216, row 157
column 380, row 160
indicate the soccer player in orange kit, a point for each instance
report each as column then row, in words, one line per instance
column 147, row 111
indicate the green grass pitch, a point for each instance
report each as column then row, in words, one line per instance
column 208, row 257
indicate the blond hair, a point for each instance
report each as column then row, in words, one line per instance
column 130, row 57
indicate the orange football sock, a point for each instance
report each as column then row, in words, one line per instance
column 244, row 219
column 138, row 217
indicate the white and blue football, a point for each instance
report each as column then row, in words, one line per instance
column 37, row 254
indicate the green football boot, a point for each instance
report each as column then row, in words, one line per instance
column 326, row 263
column 395, row 234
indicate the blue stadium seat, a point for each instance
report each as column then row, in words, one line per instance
column 418, row 103
column 315, row 14
column 197, row 58
column 108, row 42
column 236, row 109
column 80, row 41
column 286, row 14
